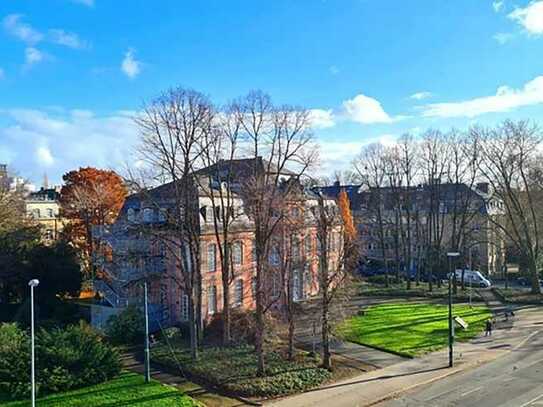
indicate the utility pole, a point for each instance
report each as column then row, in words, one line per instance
column 32, row 283
column 147, row 363
column 452, row 275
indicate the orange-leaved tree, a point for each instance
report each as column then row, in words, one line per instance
column 349, row 230
column 90, row 197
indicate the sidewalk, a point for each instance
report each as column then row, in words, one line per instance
column 376, row 386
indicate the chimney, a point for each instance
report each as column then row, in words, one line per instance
column 483, row 187
column 337, row 184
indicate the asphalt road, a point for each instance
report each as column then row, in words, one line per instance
column 515, row 380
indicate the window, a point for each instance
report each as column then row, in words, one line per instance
column 212, row 257
column 162, row 215
column 237, row 253
column 49, row 234
column 275, row 258
column 36, row 213
column 50, row 212
column 308, row 245
column 238, row 292
column 253, row 287
column 297, row 289
column 148, row 215
column 295, row 248
column 295, row 212
column 253, row 250
column 211, row 300
column 131, row 215
column 184, row 307
column 275, row 286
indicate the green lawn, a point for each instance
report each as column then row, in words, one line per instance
column 126, row 390
column 411, row 329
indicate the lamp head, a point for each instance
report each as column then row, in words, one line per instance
column 33, row 283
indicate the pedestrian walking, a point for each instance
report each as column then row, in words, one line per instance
column 488, row 328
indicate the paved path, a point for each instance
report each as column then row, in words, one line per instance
column 376, row 386
column 194, row 390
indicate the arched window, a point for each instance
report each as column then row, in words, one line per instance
column 238, row 292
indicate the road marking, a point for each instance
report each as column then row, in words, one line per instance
column 532, row 400
column 531, row 364
column 471, row 391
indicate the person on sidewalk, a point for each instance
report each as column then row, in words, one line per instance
column 488, row 327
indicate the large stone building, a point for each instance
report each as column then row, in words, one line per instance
column 140, row 246
column 434, row 218
column 44, row 208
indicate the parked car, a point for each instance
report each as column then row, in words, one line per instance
column 473, row 278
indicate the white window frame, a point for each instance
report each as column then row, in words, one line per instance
column 212, row 299
column 184, row 314
column 238, row 292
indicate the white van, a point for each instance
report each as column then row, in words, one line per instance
column 473, row 278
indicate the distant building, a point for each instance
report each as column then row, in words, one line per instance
column 382, row 216
column 43, row 207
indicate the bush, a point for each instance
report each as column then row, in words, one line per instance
column 65, row 359
column 234, row 369
column 381, row 279
column 242, row 327
column 126, row 327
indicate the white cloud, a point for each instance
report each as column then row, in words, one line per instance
column 33, row 56
column 498, row 5
column 420, row 95
column 66, row 39
column 88, row 3
column 334, row 70
column 366, row 110
column 24, row 32
column 130, row 66
column 321, row 119
column 64, row 140
column 530, row 17
column 503, row 38
column 44, row 156
column 504, row 100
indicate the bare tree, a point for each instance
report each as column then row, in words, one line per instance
column 174, row 127
column 372, row 166
column 280, row 143
column 511, row 164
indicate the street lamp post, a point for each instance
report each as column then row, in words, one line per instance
column 146, row 352
column 32, row 283
column 452, row 275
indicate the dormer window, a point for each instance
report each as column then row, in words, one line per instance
column 148, row 214
column 131, row 215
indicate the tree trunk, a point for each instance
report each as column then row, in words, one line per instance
column 532, row 266
column 193, row 331
column 226, row 334
column 326, row 356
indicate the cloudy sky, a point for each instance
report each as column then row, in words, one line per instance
column 73, row 71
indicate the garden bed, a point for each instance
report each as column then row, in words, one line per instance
column 125, row 390
column 234, row 370
column 410, row 329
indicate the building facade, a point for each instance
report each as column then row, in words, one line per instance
column 409, row 229
column 142, row 246
column 43, row 207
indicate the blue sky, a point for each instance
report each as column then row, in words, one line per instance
column 72, row 71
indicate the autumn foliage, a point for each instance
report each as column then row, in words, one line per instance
column 349, row 230
column 90, row 197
